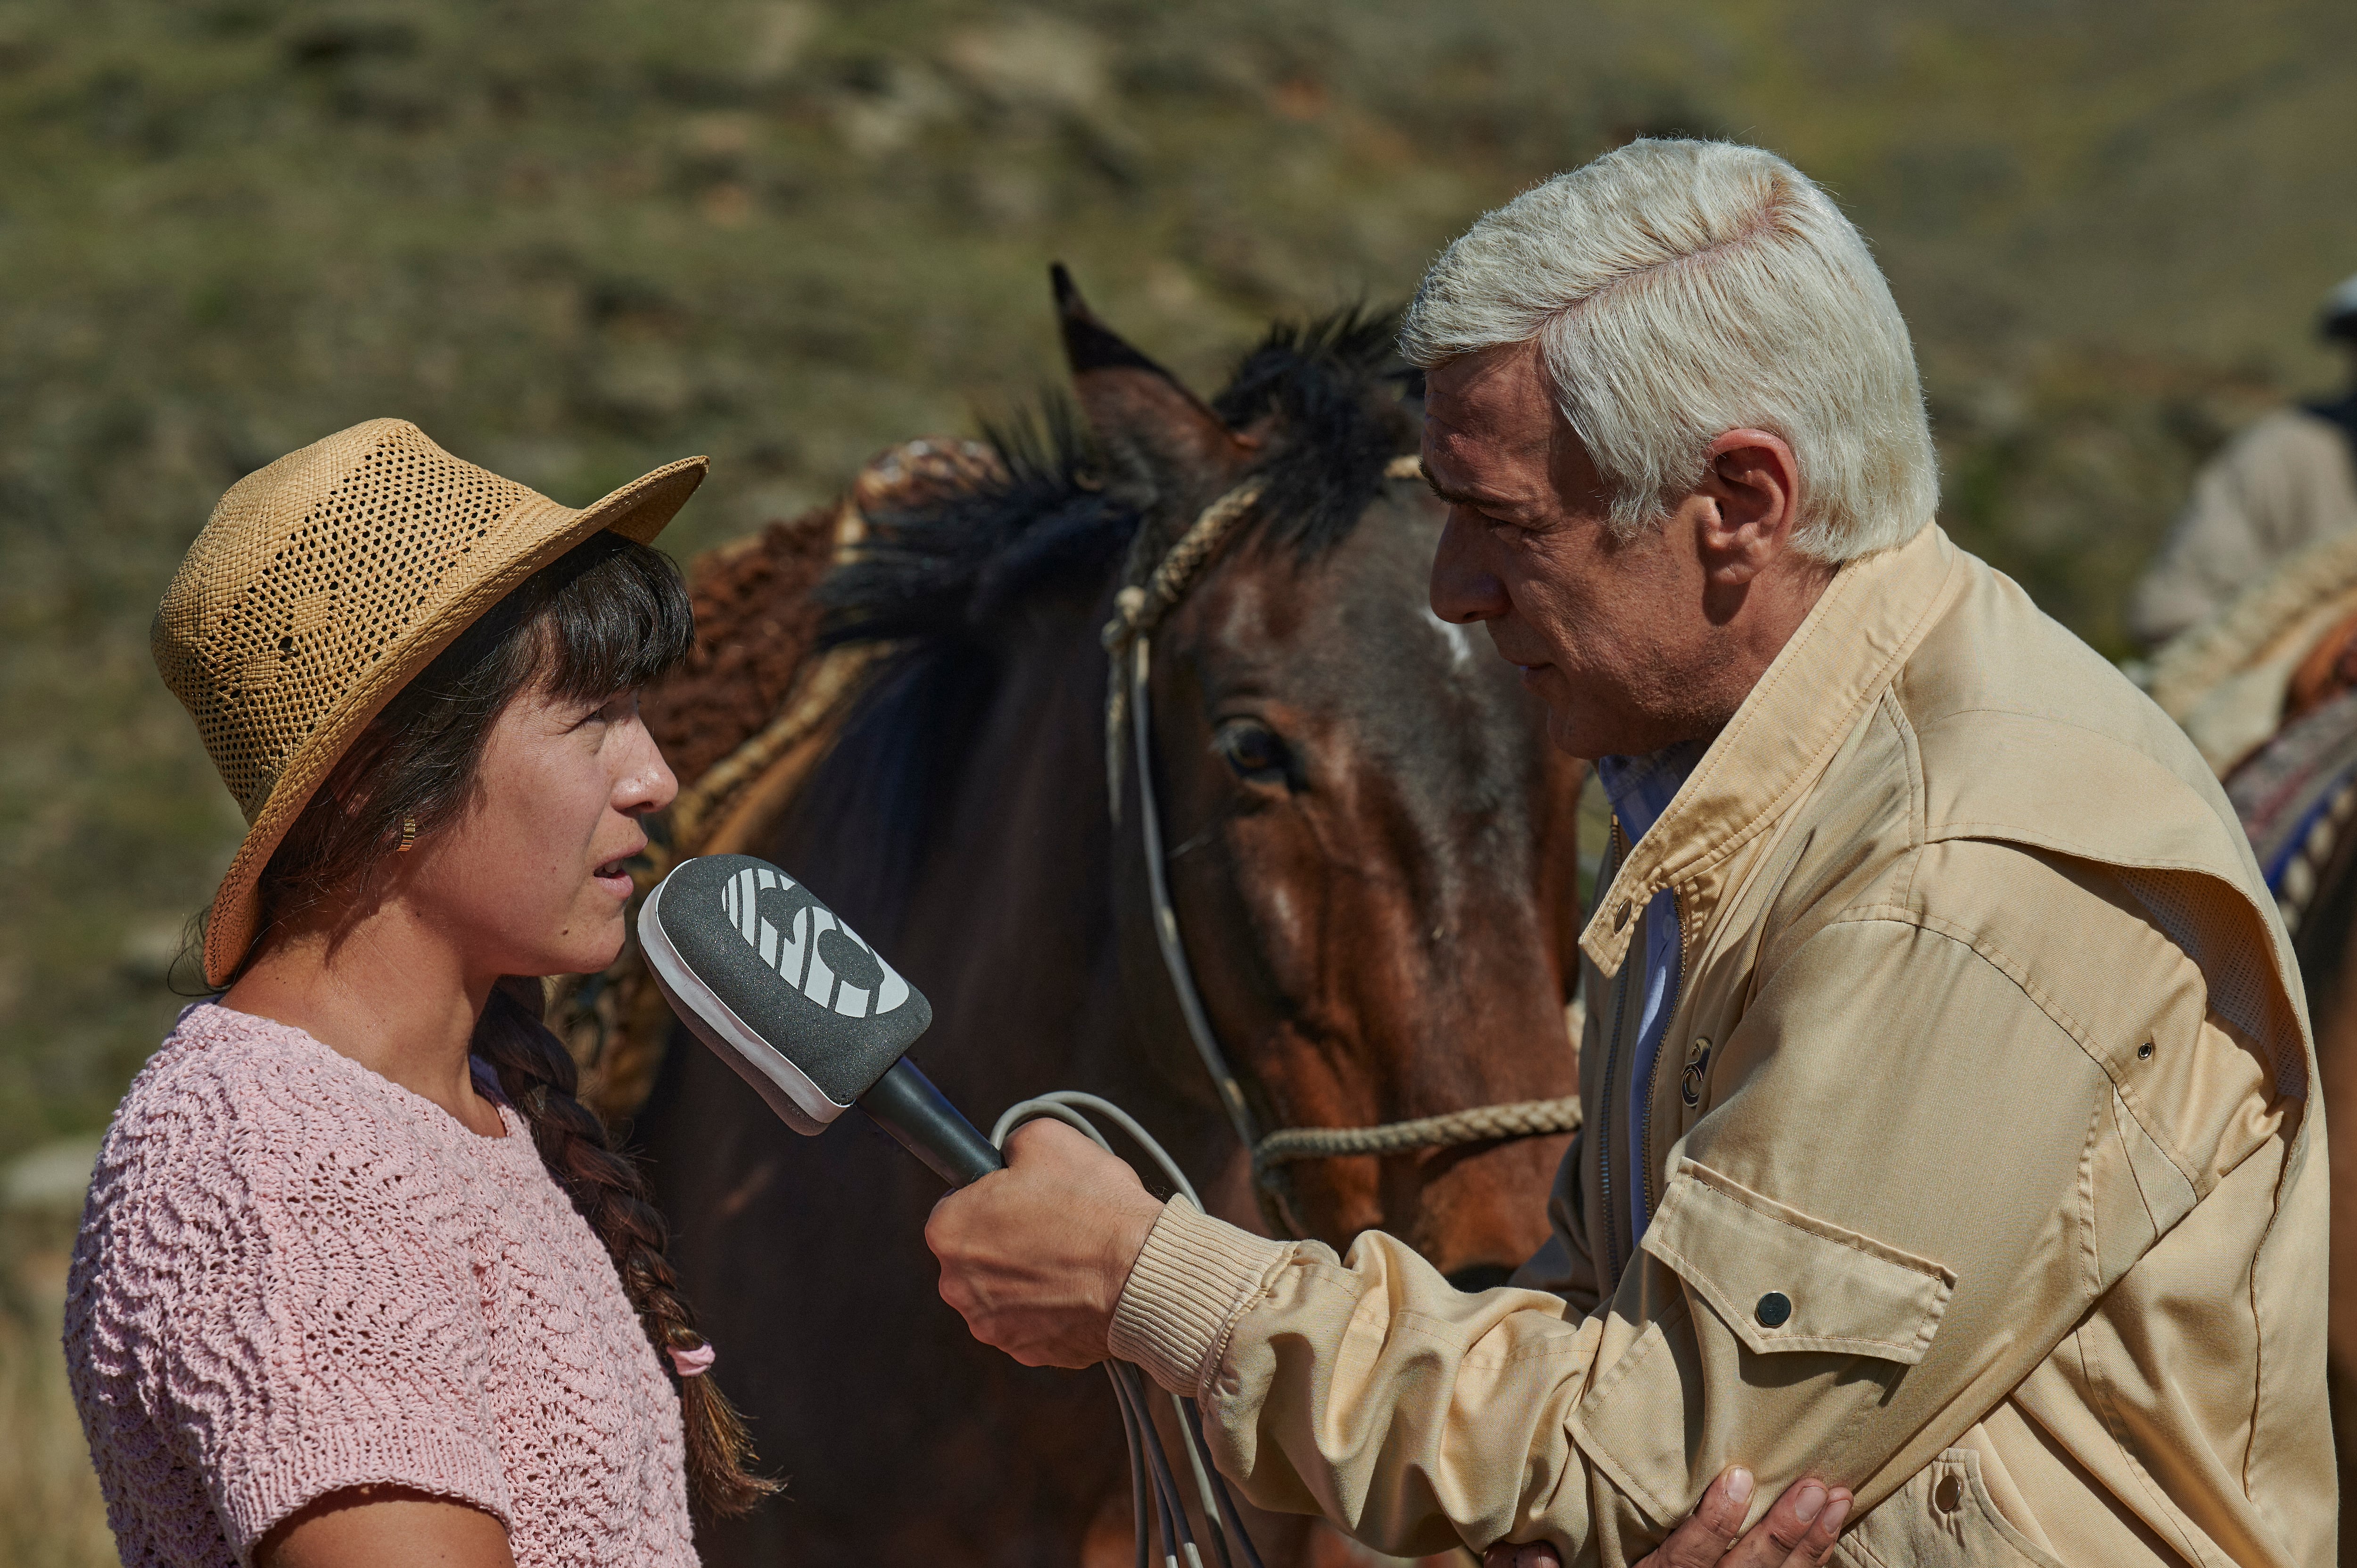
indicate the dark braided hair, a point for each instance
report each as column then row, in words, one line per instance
column 609, row 616
column 536, row 1073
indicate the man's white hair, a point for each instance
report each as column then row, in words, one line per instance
column 1682, row 289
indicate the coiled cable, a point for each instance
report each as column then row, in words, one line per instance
column 1153, row 1487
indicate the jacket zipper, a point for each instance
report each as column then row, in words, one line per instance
column 1604, row 1123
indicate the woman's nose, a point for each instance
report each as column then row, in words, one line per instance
column 649, row 785
column 1464, row 590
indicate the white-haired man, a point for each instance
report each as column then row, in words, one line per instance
column 1949, row 1133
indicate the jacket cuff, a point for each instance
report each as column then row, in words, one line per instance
column 1194, row 1278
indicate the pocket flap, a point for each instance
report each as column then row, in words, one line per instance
column 1783, row 1280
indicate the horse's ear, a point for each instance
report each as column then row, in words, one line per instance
column 1147, row 420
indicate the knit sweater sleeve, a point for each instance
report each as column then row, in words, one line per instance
column 271, row 1283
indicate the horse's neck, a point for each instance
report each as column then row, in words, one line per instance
column 1009, row 908
column 1013, row 908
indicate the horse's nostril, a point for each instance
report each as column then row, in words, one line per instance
column 1475, row 1277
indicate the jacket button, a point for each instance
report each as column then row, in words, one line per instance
column 1697, row 1064
column 1620, row 915
column 1949, row 1495
column 1775, row 1310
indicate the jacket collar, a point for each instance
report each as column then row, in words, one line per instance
column 1836, row 666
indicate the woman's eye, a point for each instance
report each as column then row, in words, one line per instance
column 612, row 711
column 1254, row 752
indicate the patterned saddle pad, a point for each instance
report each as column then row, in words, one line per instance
column 2296, row 795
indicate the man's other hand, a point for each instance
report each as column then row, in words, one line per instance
column 1034, row 1256
column 1798, row 1532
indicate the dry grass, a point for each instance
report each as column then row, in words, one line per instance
column 50, row 1515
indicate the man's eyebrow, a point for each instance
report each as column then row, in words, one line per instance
column 1462, row 498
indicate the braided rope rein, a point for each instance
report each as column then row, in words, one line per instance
column 1482, row 1125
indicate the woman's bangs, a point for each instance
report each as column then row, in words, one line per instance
column 615, row 622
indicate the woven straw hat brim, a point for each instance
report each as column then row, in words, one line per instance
column 639, row 511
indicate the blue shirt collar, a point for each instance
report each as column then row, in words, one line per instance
column 1641, row 787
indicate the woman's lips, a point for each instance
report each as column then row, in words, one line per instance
column 614, row 875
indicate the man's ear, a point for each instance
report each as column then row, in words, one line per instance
column 1754, row 480
column 1158, row 436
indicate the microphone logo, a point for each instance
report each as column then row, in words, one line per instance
column 791, row 946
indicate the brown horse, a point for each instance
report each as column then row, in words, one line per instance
column 1370, row 857
column 2324, row 939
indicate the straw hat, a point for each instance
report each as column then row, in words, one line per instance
column 322, row 585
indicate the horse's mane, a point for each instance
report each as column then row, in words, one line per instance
column 957, row 562
column 939, row 580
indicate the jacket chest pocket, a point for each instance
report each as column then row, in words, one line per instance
column 1783, row 1281
column 1943, row 1518
column 1771, row 1332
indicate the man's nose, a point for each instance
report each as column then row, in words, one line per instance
column 1464, row 590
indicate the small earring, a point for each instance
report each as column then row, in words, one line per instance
column 408, row 836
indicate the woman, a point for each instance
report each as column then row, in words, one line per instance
column 360, row 1281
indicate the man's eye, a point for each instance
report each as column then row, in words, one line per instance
column 1254, row 752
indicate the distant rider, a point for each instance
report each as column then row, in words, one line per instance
column 2279, row 487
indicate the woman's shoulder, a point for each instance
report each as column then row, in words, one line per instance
column 248, row 1142
column 220, row 1066
column 234, row 1097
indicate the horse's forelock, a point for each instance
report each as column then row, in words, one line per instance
column 941, row 577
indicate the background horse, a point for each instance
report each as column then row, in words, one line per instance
column 1371, row 859
column 2283, row 656
column 2319, row 898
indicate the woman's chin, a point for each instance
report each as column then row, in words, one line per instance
column 586, row 951
column 602, row 958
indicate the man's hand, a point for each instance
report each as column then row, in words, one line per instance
column 1034, row 1256
column 1798, row 1532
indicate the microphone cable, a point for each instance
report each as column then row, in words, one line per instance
column 1154, row 1489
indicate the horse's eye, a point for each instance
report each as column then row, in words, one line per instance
column 1254, row 752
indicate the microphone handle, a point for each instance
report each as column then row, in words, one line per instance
column 920, row 1118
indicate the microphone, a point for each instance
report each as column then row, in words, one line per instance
column 805, row 1012
column 813, row 1018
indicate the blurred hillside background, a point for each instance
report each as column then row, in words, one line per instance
column 576, row 240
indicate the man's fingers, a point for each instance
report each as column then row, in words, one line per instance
column 1506, row 1554
column 1702, row 1539
column 1798, row 1532
column 1818, row 1544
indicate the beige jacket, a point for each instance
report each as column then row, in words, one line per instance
column 1988, row 1060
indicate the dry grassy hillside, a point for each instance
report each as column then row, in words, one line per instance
column 575, row 239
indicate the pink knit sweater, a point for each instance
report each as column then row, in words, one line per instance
column 295, row 1276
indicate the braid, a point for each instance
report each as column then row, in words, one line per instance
column 537, row 1075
